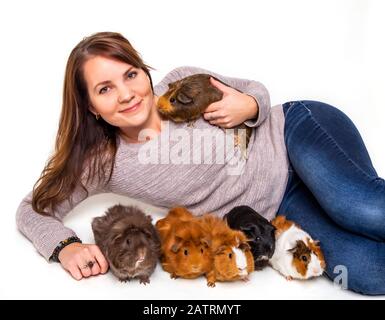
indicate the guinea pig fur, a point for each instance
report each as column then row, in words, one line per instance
column 176, row 214
column 297, row 255
column 188, row 98
column 185, row 247
column 129, row 241
column 259, row 231
column 231, row 255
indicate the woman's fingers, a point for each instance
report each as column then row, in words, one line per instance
column 75, row 272
column 83, row 260
column 99, row 257
column 215, row 115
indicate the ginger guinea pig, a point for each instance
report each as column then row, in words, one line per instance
column 188, row 98
column 129, row 241
column 259, row 231
column 231, row 255
column 297, row 255
column 185, row 247
column 175, row 214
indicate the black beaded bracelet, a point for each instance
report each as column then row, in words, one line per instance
column 63, row 244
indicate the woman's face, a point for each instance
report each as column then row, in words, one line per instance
column 119, row 92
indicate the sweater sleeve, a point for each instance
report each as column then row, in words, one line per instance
column 252, row 88
column 46, row 232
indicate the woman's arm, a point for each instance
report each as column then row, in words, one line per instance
column 251, row 88
column 46, row 232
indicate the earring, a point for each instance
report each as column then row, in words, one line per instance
column 97, row 116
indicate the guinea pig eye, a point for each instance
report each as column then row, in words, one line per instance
column 258, row 239
column 201, row 250
column 185, row 252
column 304, row 258
column 172, row 100
column 127, row 241
column 230, row 255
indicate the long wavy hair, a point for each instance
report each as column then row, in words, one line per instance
column 85, row 147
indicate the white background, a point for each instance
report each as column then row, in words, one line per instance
column 327, row 50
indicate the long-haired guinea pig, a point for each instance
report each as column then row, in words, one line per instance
column 297, row 255
column 174, row 215
column 259, row 231
column 231, row 255
column 188, row 98
column 185, row 247
column 129, row 241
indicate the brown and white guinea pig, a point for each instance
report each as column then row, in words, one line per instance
column 129, row 241
column 188, row 98
column 231, row 255
column 296, row 255
column 185, row 246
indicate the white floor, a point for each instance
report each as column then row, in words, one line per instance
column 33, row 278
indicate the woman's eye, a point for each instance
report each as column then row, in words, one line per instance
column 103, row 90
column 132, row 73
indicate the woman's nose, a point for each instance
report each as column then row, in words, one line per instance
column 125, row 95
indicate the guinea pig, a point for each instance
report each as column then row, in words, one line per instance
column 231, row 255
column 175, row 214
column 185, row 247
column 259, row 231
column 188, row 98
column 129, row 241
column 297, row 255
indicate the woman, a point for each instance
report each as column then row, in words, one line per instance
column 306, row 160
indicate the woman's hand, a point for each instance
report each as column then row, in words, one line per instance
column 233, row 109
column 76, row 258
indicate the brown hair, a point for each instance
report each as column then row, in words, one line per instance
column 82, row 141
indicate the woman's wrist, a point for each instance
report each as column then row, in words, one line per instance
column 62, row 245
column 252, row 108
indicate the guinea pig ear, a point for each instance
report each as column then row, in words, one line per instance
column 177, row 245
column 249, row 228
column 220, row 249
column 244, row 246
column 183, row 98
column 317, row 242
column 292, row 250
column 206, row 242
column 98, row 225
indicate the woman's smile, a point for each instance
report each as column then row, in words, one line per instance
column 132, row 109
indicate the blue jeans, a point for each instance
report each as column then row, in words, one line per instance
column 335, row 194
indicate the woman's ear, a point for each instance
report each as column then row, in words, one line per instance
column 92, row 110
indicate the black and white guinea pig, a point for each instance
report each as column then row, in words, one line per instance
column 259, row 231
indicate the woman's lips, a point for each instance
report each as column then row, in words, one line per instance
column 131, row 109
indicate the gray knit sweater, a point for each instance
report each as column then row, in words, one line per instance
column 182, row 171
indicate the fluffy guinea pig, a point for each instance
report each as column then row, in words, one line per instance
column 129, row 241
column 188, row 98
column 185, row 247
column 231, row 255
column 259, row 231
column 176, row 214
column 297, row 255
